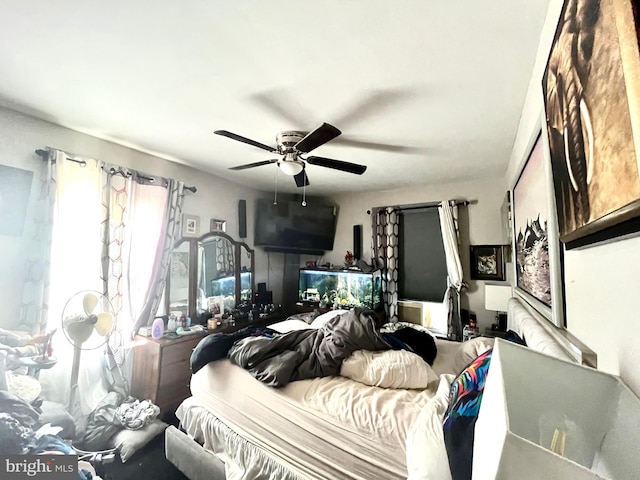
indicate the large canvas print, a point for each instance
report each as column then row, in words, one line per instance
column 531, row 209
column 591, row 90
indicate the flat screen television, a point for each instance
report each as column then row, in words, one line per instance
column 290, row 227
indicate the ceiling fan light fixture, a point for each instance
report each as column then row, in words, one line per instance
column 291, row 167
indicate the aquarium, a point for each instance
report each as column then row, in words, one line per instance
column 226, row 287
column 340, row 288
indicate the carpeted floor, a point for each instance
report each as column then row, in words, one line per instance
column 149, row 462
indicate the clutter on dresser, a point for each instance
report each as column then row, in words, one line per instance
column 470, row 330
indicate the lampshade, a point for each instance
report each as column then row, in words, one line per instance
column 290, row 167
column 543, row 418
column 496, row 297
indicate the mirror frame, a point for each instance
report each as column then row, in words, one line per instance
column 193, row 269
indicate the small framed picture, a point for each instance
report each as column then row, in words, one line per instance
column 218, row 225
column 487, row 262
column 190, row 226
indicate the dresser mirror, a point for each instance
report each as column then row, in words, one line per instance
column 177, row 293
column 219, row 267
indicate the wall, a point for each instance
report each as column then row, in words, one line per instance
column 20, row 135
column 600, row 280
column 480, row 224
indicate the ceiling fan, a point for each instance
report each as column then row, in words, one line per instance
column 291, row 145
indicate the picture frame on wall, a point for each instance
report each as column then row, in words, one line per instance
column 487, row 262
column 592, row 105
column 216, row 225
column 536, row 248
column 190, row 226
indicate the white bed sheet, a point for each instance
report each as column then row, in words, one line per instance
column 325, row 428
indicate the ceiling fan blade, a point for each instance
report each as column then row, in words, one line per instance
column 319, row 136
column 382, row 147
column 373, row 103
column 255, row 164
column 284, row 105
column 301, row 179
column 239, row 138
column 337, row 165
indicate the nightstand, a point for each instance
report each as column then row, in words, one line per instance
column 161, row 370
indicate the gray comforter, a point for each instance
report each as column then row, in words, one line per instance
column 304, row 354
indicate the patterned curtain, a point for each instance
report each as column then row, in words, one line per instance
column 34, row 308
column 385, row 225
column 141, row 223
column 113, row 231
column 171, row 230
column 224, row 256
column 448, row 212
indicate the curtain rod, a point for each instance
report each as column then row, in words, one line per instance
column 423, row 206
column 75, row 158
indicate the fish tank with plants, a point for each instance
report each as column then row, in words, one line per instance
column 226, row 286
column 340, row 288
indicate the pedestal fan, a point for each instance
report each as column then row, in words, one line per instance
column 87, row 322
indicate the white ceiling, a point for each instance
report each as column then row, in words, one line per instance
column 441, row 84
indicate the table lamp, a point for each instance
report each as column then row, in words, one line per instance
column 496, row 297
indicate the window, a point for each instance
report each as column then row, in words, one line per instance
column 423, row 267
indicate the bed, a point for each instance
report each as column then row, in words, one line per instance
column 235, row 427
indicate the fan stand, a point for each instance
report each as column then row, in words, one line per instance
column 75, row 370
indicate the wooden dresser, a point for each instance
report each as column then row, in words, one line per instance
column 161, row 371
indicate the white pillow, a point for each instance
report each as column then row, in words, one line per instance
column 320, row 320
column 388, row 369
column 129, row 442
column 426, row 452
column 290, row 325
column 470, row 350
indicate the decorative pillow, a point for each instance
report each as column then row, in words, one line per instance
column 129, row 442
column 470, row 350
column 388, row 369
column 426, row 452
column 460, row 418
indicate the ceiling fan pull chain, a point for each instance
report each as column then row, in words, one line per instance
column 275, row 195
column 304, row 194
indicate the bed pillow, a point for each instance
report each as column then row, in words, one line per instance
column 426, row 452
column 465, row 398
column 470, row 350
column 129, row 442
column 320, row 320
column 388, row 369
column 289, row 325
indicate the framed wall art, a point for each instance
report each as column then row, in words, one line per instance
column 592, row 105
column 217, row 225
column 487, row 262
column 190, row 226
column 536, row 246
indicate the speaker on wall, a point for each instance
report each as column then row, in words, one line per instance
column 357, row 241
column 242, row 218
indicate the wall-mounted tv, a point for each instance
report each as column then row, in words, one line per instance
column 290, row 227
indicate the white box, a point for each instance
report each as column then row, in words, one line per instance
column 528, row 395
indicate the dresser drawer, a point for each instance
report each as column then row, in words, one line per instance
column 161, row 370
column 175, row 375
